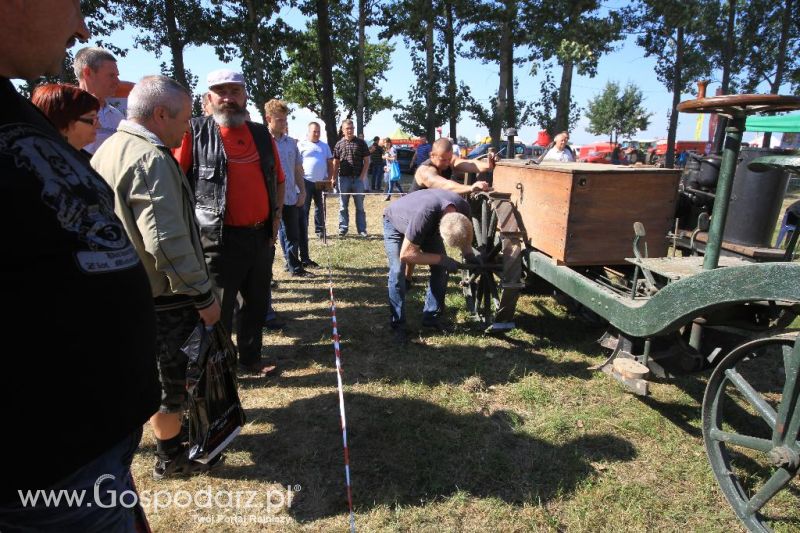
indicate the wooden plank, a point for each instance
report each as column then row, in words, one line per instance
column 747, row 251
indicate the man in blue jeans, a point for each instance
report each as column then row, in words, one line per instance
column 415, row 230
column 351, row 164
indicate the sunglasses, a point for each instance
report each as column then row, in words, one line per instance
column 90, row 121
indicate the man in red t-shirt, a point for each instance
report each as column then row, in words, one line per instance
column 238, row 181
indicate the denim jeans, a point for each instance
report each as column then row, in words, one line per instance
column 437, row 283
column 106, row 504
column 319, row 221
column 391, row 185
column 376, row 176
column 289, row 235
column 351, row 184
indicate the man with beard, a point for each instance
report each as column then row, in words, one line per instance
column 74, row 399
column 234, row 168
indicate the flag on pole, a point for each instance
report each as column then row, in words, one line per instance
column 698, row 129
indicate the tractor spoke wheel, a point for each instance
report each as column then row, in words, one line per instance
column 491, row 291
column 750, row 428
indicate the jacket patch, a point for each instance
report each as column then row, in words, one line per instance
column 82, row 202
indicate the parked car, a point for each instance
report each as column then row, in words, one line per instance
column 655, row 155
column 483, row 148
column 404, row 156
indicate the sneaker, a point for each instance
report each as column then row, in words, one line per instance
column 258, row 368
column 303, row 274
column 310, row 264
column 182, row 466
column 342, row 233
column 387, row 198
column 362, row 233
column 273, row 284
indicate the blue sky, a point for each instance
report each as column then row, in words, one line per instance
column 626, row 64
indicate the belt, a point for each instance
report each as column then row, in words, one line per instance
column 257, row 225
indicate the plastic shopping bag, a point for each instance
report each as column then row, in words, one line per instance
column 215, row 412
column 394, row 171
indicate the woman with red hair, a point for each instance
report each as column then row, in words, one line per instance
column 72, row 110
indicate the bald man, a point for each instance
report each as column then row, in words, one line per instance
column 437, row 172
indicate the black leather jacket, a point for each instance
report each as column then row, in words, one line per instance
column 209, row 174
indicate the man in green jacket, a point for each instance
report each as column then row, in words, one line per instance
column 156, row 206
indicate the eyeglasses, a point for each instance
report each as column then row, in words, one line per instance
column 92, row 121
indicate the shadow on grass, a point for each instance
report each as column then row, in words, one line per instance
column 405, row 451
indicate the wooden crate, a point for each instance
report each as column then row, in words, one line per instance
column 583, row 213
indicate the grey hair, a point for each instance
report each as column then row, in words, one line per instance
column 346, row 121
column 156, row 91
column 92, row 57
column 456, row 230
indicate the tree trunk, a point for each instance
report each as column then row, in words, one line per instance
column 564, row 99
column 175, row 45
column 780, row 60
column 430, row 85
column 502, row 91
column 677, row 84
column 362, row 80
column 511, row 111
column 727, row 51
column 326, row 70
column 452, row 97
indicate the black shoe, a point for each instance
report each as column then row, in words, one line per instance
column 387, row 198
column 310, row 264
column 273, row 284
column 437, row 325
column 303, row 274
column 274, row 323
column 182, row 466
column 400, row 336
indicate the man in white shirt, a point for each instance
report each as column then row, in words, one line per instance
column 318, row 173
column 97, row 73
column 559, row 151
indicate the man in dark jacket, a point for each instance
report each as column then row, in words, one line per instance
column 238, row 182
column 74, row 400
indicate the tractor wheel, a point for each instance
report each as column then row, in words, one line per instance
column 491, row 288
column 750, row 428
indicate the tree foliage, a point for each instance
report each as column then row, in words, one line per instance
column 304, row 77
column 617, row 115
column 574, row 34
column 673, row 32
column 172, row 25
column 253, row 31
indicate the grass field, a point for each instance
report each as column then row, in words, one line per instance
column 455, row 432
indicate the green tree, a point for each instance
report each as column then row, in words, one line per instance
column 770, row 31
column 575, row 34
column 304, row 81
column 250, row 30
column 617, row 115
column 487, row 19
column 170, row 24
column 415, row 21
column 673, row 32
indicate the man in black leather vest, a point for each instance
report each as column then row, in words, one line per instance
column 239, row 188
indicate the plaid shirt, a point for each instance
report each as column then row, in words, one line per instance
column 351, row 156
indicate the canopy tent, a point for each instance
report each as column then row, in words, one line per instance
column 777, row 123
column 400, row 134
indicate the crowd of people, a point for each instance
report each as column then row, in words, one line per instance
column 141, row 226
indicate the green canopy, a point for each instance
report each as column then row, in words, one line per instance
column 778, row 123
column 399, row 134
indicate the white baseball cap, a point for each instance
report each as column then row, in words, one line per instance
column 223, row 76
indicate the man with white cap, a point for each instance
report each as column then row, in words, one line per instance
column 234, row 168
